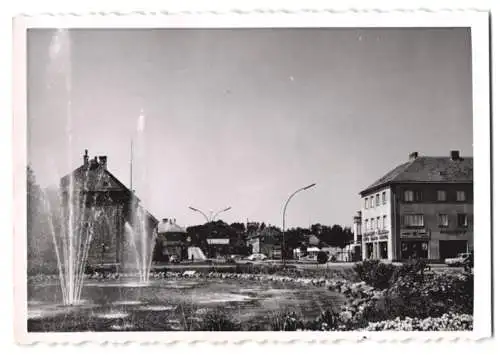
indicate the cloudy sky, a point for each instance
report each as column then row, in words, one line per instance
column 243, row 118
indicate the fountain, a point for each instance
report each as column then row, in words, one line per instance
column 141, row 245
column 72, row 235
column 139, row 240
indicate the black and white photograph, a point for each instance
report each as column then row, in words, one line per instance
column 257, row 178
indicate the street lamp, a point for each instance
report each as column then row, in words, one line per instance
column 223, row 210
column 197, row 210
column 284, row 214
column 212, row 216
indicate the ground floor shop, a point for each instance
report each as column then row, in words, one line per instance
column 405, row 249
column 376, row 250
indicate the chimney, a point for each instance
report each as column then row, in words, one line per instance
column 455, row 155
column 103, row 161
column 413, row 155
column 86, row 158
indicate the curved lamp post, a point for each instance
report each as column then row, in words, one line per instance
column 197, row 210
column 223, row 210
column 284, row 215
column 212, row 216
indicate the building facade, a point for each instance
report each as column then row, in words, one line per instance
column 423, row 208
column 267, row 241
column 173, row 240
column 97, row 208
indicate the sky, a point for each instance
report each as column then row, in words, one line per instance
column 245, row 117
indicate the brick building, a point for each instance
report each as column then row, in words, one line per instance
column 422, row 208
column 100, row 207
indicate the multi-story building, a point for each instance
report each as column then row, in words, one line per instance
column 97, row 206
column 421, row 209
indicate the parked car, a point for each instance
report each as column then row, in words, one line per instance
column 174, row 259
column 257, row 257
column 460, row 260
column 236, row 257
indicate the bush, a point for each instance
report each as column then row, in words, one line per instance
column 414, row 268
column 322, row 257
column 286, row 322
column 421, row 297
column 447, row 322
column 375, row 273
column 217, row 320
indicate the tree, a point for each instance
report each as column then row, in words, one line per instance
column 303, row 249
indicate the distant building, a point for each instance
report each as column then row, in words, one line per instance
column 101, row 206
column 266, row 241
column 355, row 247
column 423, row 208
column 173, row 239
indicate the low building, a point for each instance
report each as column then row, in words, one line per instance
column 266, row 241
column 423, row 208
column 173, row 240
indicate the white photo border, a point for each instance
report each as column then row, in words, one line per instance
column 477, row 20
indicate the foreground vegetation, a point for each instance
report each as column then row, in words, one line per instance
column 407, row 298
column 377, row 297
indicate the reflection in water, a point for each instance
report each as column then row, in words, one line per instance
column 112, row 315
column 164, row 306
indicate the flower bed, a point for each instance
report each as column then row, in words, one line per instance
column 447, row 322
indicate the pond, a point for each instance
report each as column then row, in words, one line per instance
column 168, row 305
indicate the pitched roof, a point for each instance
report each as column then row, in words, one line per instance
column 169, row 226
column 95, row 177
column 428, row 170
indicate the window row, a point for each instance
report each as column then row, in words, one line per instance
column 417, row 220
column 376, row 224
column 372, row 201
column 441, row 196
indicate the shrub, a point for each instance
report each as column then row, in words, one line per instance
column 414, row 268
column 421, row 297
column 285, row 321
column 375, row 273
column 217, row 320
column 447, row 322
column 322, row 257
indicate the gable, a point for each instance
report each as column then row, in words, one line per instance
column 97, row 179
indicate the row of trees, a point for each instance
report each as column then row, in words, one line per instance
column 332, row 236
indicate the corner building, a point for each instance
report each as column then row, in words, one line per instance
column 423, row 208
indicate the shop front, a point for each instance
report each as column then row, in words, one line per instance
column 414, row 249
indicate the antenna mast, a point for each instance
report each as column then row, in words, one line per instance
column 131, row 161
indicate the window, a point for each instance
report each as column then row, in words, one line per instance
column 366, row 225
column 441, row 195
column 408, row 197
column 443, row 220
column 460, row 195
column 372, row 224
column 413, row 220
column 377, row 200
column 384, row 199
column 384, row 223
column 378, row 223
column 462, row 220
column 371, row 202
column 366, row 203
column 418, row 195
